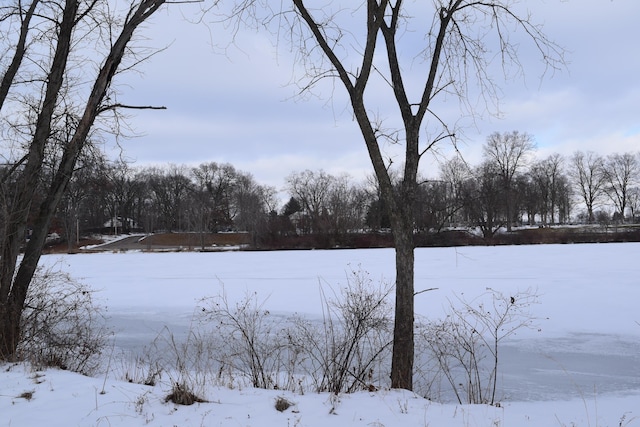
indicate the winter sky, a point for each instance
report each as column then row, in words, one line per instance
column 239, row 106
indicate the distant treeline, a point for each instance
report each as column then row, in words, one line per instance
column 325, row 210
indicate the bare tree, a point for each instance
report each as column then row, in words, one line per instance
column 508, row 151
column 121, row 195
column 340, row 42
column 454, row 173
column 548, row 178
column 312, row 190
column 434, row 205
column 621, row 172
column 483, row 199
column 634, row 202
column 332, row 204
column 77, row 205
column 170, row 190
column 251, row 203
column 217, row 184
column 587, row 172
column 67, row 19
column 347, row 203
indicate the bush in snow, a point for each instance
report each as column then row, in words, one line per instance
column 61, row 324
column 251, row 341
column 463, row 349
column 347, row 350
column 342, row 352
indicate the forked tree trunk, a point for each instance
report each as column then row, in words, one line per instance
column 16, row 290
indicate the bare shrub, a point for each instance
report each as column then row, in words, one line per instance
column 191, row 361
column 254, row 342
column 344, row 351
column 465, row 346
column 458, row 354
column 61, row 324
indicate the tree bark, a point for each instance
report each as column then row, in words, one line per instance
column 403, row 334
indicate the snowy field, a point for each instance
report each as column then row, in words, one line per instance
column 579, row 367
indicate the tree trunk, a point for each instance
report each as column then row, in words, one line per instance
column 403, row 343
column 508, row 206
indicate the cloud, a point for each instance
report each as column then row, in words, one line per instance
column 236, row 104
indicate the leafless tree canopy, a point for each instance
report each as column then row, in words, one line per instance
column 507, row 153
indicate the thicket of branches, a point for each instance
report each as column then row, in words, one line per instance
column 240, row 343
column 62, row 324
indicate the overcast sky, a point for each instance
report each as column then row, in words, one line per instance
column 240, row 108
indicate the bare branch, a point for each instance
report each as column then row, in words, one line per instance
column 425, row 290
column 131, row 107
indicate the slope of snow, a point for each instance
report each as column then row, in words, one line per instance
column 59, row 398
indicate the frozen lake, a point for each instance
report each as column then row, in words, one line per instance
column 587, row 342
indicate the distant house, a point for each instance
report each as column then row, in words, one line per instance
column 120, row 223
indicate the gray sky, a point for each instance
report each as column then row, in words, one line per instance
column 240, row 107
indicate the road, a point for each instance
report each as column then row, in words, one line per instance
column 131, row 243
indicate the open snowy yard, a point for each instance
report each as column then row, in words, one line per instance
column 580, row 365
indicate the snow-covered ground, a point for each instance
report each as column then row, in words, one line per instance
column 580, row 366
